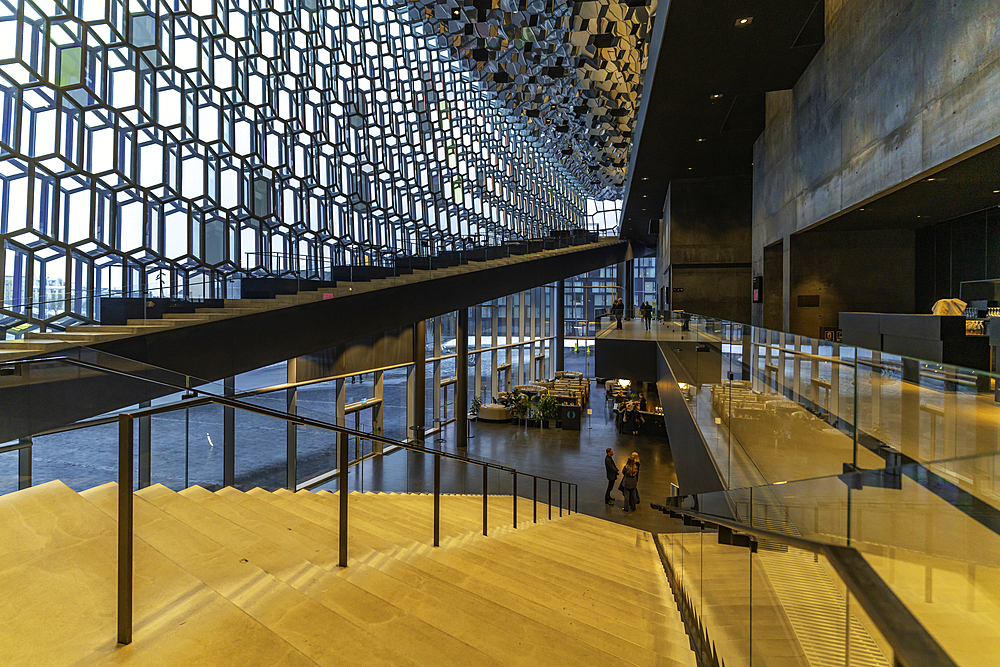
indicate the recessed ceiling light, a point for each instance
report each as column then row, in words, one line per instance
column 690, row 168
column 862, row 209
column 716, row 96
column 930, row 179
column 701, row 140
column 920, row 216
column 645, row 195
column 645, row 178
column 744, row 21
column 996, row 192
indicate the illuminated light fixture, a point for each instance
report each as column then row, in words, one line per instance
column 744, row 21
column 861, row 209
column 624, row 383
column 784, row 482
column 996, row 192
column 700, row 140
column 690, row 168
column 930, row 179
column 716, row 96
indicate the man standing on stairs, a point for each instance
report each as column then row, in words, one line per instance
column 612, row 471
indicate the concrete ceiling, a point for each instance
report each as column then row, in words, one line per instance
column 703, row 101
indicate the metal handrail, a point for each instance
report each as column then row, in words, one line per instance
column 126, row 448
column 912, row 645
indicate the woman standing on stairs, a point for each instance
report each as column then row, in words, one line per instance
column 629, row 482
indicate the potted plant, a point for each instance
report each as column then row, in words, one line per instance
column 476, row 404
column 548, row 408
column 532, row 419
column 522, row 405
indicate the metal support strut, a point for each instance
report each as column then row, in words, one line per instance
column 437, row 501
column 125, row 446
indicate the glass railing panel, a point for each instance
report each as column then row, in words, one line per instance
column 198, row 458
column 8, row 472
column 935, row 544
column 715, row 586
column 81, row 459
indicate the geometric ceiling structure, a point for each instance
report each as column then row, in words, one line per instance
column 572, row 70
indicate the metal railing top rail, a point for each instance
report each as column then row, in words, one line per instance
column 207, row 397
column 305, row 421
column 912, row 644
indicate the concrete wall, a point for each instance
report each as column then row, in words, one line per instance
column 856, row 271
column 899, row 88
column 705, row 246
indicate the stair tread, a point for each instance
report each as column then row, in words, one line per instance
column 264, row 566
column 180, row 529
column 64, row 578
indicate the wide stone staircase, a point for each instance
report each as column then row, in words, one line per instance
column 252, row 579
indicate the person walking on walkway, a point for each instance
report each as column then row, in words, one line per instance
column 618, row 310
column 612, row 473
column 629, row 481
column 647, row 313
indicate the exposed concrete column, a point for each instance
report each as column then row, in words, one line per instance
column 746, row 372
column 436, row 382
column 521, row 330
column 494, row 380
column 560, row 325
column 229, row 436
column 509, row 351
column 532, row 306
column 415, row 385
column 786, row 286
column 630, row 289
column 24, row 463
column 291, row 430
column 797, row 370
column 835, row 387
column 477, row 380
column 462, row 378
column 377, row 411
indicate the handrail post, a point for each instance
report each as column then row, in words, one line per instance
column 514, row 495
column 560, row 498
column 125, row 448
column 437, row 500
column 342, row 474
column 550, row 500
column 576, row 505
column 534, row 499
column 486, row 472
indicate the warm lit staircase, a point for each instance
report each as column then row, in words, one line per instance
column 252, row 579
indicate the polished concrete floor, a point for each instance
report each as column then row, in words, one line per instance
column 572, row 456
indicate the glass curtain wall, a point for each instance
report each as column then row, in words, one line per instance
column 164, row 148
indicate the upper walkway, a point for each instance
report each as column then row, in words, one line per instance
column 215, row 343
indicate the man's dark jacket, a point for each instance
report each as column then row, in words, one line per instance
column 612, row 469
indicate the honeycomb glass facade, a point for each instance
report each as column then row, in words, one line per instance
column 172, row 145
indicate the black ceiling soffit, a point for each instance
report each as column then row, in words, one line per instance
column 703, row 95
